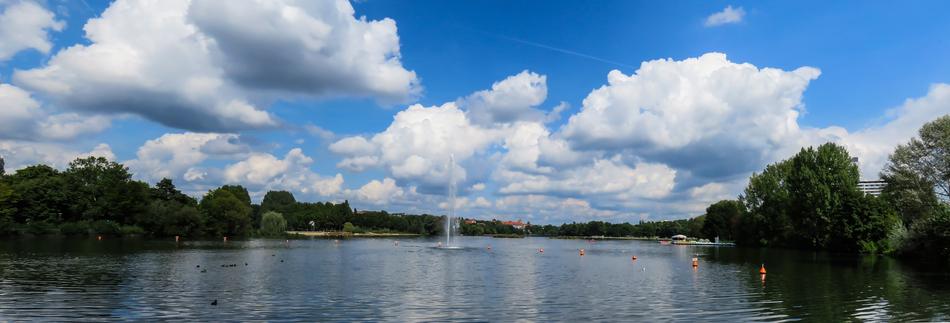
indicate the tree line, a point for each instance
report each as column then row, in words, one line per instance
column 97, row 196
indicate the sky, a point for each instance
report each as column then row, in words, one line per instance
column 547, row 112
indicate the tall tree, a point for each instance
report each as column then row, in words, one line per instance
column 722, row 219
column 41, row 194
column 918, row 173
column 226, row 214
column 766, row 200
column 104, row 190
column 279, row 201
column 818, row 183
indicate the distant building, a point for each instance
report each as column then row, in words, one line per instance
column 872, row 187
column 516, row 224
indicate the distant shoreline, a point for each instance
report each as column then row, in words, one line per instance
column 604, row 238
column 351, row 234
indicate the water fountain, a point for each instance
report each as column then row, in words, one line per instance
column 450, row 217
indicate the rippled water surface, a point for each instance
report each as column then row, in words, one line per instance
column 376, row 279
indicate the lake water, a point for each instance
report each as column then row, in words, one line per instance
column 374, row 279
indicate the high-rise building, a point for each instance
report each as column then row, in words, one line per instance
column 872, row 187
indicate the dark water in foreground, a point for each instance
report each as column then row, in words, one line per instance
column 372, row 279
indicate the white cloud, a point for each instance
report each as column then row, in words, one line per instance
column 699, row 113
column 728, row 15
column 22, row 117
column 201, row 66
column 874, row 144
column 262, row 172
column 174, row 155
column 25, row 25
column 417, row 145
column 379, row 192
column 18, row 154
column 603, row 177
column 512, row 99
column 17, row 112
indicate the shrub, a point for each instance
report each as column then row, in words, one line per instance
column 273, row 224
column 349, row 227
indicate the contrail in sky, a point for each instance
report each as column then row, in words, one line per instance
column 548, row 47
column 560, row 50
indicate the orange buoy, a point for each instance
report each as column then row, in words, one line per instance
column 582, row 252
column 695, row 262
column 541, row 250
column 762, row 269
column 633, row 258
column 98, row 237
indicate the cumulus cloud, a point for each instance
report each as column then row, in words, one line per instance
column 26, row 25
column 306, row 47
column 198, row 66
column 379, row 192
column 602, row 177
column 417, row 146
column 174, row 155
column 18, row 154
column 22, row 117
column 702, row 114
column 728, row 15
column 512, row 99
column 262, row 172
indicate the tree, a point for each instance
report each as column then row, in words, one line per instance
column 7, row 208
column 927, row 157
column 280, row 201
column 273, row 224
column 239, row 192
column 103, row 190
column 919, row 171
column 722, row 219
column 225, row 214
column 41, row 194
column 165, row 190
column 818, row 182
column 766, row 200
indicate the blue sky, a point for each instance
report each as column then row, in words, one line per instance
column 319, row 98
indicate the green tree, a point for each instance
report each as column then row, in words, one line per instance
column 165, row 190
column 722, row 220
column 239, row 192
column 225, row 214
column 7, row 209
column 818, row 183
column 766, row 200
column 41, row 194
column 279, row 201
column 273, row 224
column 103, row 190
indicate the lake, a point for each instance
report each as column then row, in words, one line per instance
column 376, row 279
